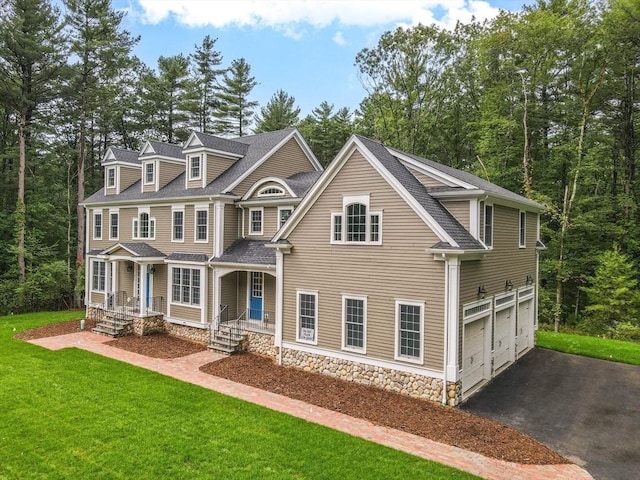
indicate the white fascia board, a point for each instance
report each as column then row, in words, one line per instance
column 317, row 189
column 163, row 202
column 407, row 197
column 248, row 267
column 431, row 172
column 269, row 202
column 219, row 153
column 262, row 181
column 305, row 148
column 122, row 163
column 177, row 161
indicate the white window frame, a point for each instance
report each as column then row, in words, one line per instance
column 280, row 223
column 191, row 159
column 173, row 225
column 111, row 170
column 492, row 225
column 145, row 166
column 182, row 285
column 113, row 212
column 345, row 346
column 522, row 230
column 135, row 225
column 97, row 225
column 313, row 293
column 97, row 263
column 201, row 208
column 251, row 230
column 346, row 202
column 397, row 355
column 264, row 192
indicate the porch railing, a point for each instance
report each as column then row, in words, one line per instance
column 254, row 321
column 119, row 302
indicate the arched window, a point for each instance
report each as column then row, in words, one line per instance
column 356, row 223
column 270, row 192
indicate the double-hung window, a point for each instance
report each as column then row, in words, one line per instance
column 185, row 286
column 202, row 224
column 488, row 225
column 255, row 221
column 195, row 167
column 149, row 173
column 98, row 275
column 177, row 225
column 356, row 223
column 523, row 230
column 144, row 226
column 97, row 225
column 409, row 331
column 111, row 177
column 354, row 317
column 283, row 215
column 114, row 219
column 307, row 317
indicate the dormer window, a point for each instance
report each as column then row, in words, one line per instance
column 149, row 173
column 195, row 167
column 111, row 177
column 356, row 223
column 270, row 192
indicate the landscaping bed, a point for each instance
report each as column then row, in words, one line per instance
column 427, row 419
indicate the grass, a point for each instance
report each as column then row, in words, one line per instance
column 74, row 414
column 603, row 348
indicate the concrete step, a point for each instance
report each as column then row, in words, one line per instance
column 223, row 348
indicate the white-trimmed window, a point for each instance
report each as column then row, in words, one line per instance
column 409, row 331
column 307, row 317
column 356, row 223
column 185, row 286
column 98, row 275
column 111, row 177
column 522, row 235
column 488, row 225
column 149, row 173
column 271, row 192
column 114, row 223
column 283, row 215
column 354, row 323
column 202, row 224
column 144, row 226
column 177, row 225
column 97, row 225
column 195, row 167
column 255, row 221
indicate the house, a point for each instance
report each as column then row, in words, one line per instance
column 386, row 269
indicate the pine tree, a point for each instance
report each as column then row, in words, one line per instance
column 205, row 61
column 236, row 110
column 326, row 131
column 279, row 113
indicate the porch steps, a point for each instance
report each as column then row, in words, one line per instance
column 226, row 341
column 112, row 326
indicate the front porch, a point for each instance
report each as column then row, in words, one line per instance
column 122, row 315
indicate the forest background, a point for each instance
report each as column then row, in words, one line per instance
column 543, row 102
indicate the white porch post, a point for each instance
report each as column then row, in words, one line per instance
column 107, row 281
column 143, row 289
column 217, row 289
column 279, row 298
column 452, row 318
column 218, row 231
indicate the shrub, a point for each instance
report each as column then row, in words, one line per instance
column 626, row 331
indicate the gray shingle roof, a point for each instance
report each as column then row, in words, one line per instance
column 222, row 144
column 139, row 249
column 257, row 147
column 165, row 150
column 472, row 179
column 300, row 183
column 122, row 155
column 418, row 191
column 188, row 257
column 94, row 251
column 248, row 252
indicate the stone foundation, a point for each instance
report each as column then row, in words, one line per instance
column 261, row 343
column 192, row 333
column 94, row 313
column 149, row 325
column 411, row 384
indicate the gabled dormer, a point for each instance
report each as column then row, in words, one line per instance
column 161, row 163
column 208, row 156
column 121, row 170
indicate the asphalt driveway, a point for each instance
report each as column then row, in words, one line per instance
column 586, row 409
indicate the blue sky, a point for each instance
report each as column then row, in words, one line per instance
column 306, row 48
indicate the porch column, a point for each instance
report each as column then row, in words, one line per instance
column 279, row 296
column 452, row 320
column 107, row 281
column 217, row 289
column 143, row 289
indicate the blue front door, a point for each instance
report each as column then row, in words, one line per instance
column 255, row 295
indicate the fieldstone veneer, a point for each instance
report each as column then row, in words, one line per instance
column 261, row 343
column 192, row 333
column 411, row 384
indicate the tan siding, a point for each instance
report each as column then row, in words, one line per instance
column 183, row 312
column 229, row 294
column 125, row 279
column 398, row 269
column 128, row 176
column 269, row 223
column 269, row 294
column 231, row 233
column 216, row 165
column 168, row 171
column 160, row 282
column 96, row 297
column 426, row 180
column 290, row 159
column 459, row 209
column 241, row 300
column 194, row 183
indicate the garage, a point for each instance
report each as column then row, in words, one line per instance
column 524, row 320
column 476, row 365
column 503, row 330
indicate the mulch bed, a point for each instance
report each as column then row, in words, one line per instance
column 427, row 419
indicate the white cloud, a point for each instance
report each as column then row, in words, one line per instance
column 284, row 14
column 339, row 39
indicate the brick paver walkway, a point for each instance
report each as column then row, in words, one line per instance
column 187, row 369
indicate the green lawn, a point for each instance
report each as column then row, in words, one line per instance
column 604, row 348
column 73, row 414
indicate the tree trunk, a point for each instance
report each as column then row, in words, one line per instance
column 20, row 205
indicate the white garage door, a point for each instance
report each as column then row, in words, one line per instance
column 502, row 338
column 524, row 327
column 473, row 359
